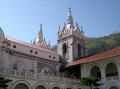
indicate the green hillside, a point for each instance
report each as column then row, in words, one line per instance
column 101, row 44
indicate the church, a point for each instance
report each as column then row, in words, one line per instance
column 36, row 66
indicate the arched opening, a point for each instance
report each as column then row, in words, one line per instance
column 69, row 88
column 64, row 50
column 79, row 51
column 113, row 87
column 40, row 87
column 21, row 86
column 95, row 71
column 111, row 70
column 55, row 87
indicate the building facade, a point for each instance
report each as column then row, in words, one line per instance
column 35, row 66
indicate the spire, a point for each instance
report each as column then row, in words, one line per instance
column 49, row 45
column 59, row 30
column 81, row 27
column 82, row 30
column 34, row 41
column 40, row 34
column 70, row 20
column 77, row 25
column 49, row 42
column 44, row 39
column 59, row 27
column 64, row 26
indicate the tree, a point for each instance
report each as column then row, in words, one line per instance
column 3, row 82
column 90, row 81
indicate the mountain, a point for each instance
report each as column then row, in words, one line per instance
column 99, row 44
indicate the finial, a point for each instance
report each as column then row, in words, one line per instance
column 49, row 42
column 81, row 27
column 76, row 24
column 44, row 38
column 31, row 42
column 69, row 9
column 40, row 25
column 64, row 24
column 59, row 27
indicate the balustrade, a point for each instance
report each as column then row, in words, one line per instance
column 112, row 78
column 37, row 76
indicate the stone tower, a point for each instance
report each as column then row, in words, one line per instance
column 71, row 43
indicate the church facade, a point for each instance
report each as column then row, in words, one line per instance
column 35, row 66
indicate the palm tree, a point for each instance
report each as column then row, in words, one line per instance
column 90, row 81
column 3, row 82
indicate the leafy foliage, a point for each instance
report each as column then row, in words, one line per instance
column 90, row 81
column 54, row 48
column 97, row 45
column 3, row 82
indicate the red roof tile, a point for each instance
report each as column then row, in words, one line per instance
column 32, row 46
column 96, row 57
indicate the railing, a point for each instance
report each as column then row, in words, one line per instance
column 31, row 75
column 112, row 78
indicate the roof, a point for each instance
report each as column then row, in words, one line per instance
column 96, row 57
column 32, row 46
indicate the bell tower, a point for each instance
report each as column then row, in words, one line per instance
column 71, row 43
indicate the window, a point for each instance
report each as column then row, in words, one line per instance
column 31, row 51
column 49, row 56
column 79, row 50
column 14, row 46
column 111, row 70
column 36, row 52
column 64, row 50
column 95, row 71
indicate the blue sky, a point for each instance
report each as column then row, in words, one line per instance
column 21, row 19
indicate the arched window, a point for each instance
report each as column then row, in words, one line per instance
column 64, row 50
column 79, row 51
column 40, row 87
column 95, row 71
column 111, row 70
column 21, row 86
column 114, row 87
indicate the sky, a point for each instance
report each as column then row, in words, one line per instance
column 21, row 19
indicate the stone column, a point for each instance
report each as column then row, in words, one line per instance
column 119, row 69
column 57, row 70
column 103, row 74
column 35, row 66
